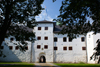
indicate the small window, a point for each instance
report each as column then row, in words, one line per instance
column 2, row 47
column 83, row 48
column 39, row 28
column 10, row 47
column 26, row 47
column 55, row 39
column 39, row 38
column 46, row 28
column 70, row 39
column 46, row 46
column 82, row 39
column 64, row 48
column 55, row 48
column 16, row 47
column 11, row 39
column 38, row 46
column 45, row 38
column 64, row 39
column 70, row 48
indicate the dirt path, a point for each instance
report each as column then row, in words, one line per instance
column 45, row 65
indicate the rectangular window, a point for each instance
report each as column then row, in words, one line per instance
column 10, row 47
column 55, row 39
column 39, row 38
column 26, row 47
column 39, row 28
column 83, row 48
column 64, row 48
column 45, row 46
column 2, row 47
column 55, row 48
column 16, row 47
column 45, row 38
column 64, row 39
column 46, row 28
column 70, row 39
column 38, row 46
column 70, row 48
column 82, row 39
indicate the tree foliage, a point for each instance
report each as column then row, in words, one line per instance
column 74, row 13
column 17, row 18
column 96, row 54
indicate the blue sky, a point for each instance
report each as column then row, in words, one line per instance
column 51, row 12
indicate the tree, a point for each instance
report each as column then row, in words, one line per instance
column 96, row 54
column 17, row 17
column 74, row 13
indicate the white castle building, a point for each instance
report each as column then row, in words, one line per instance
column 51, row 46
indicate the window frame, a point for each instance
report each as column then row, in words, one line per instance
column 83, row 48
column 55, row 48
column 16, row 48
column 10, row 47
column 39, row 38
column 70, row 39
column 55, row 40
column 39, row 28
column 70, row 48
column 38, row 46
column 64, row 48
column 45, row 38
column 46, row 28
column 64, row 39
column 82, row 39
column 45, row 46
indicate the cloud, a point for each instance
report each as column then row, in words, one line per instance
column 43, row 16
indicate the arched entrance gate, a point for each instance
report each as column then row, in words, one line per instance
column 42, row 58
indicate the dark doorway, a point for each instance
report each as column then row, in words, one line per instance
column 42, row 59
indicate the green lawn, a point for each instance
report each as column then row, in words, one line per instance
column 77, row 65
column 16, row 64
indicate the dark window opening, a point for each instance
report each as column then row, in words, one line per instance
column 38, row 46
column 46, row 38
column 2, row 47
column 11, row 39
column 39, row 28
column 55, row 48
column 39, row 38
column 82, row 39
column 55, row 39
column 46, row 28
column 10, row 47
column 83, row 48
column 16, row 47
column 46, row 46
column 70, row 39
column 64, row 39
column 26, row 47
column 70, row 48
column 64, row 48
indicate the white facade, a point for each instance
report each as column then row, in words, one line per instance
column 50, row 50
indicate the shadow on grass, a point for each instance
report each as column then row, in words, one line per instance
column 16, row 65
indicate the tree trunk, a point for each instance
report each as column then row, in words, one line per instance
column 6, row 23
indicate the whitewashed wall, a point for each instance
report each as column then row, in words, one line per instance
column 91, row 44
column 48, row 53
column 74, row 55
column 15, row 55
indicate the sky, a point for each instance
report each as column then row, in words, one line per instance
column 51, row 10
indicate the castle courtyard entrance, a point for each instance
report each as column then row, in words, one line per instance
column 42, row 59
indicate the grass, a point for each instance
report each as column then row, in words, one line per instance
column 77, row 65
column 16, row 64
